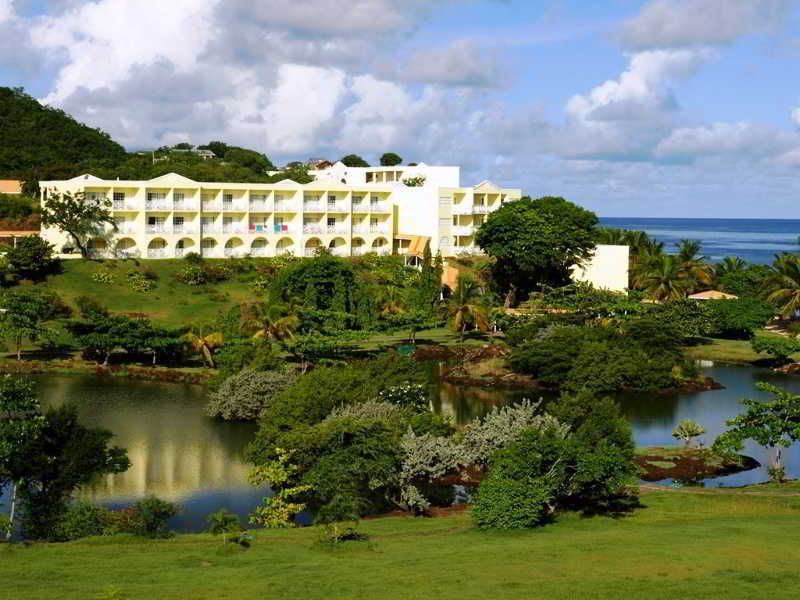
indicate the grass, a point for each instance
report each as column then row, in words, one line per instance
column 729, row 351
column 723, row 545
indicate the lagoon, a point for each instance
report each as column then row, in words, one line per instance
column 179, row 454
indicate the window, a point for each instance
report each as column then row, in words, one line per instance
column 207, row 243
column 331, row 200
column 358, row 199
column 278, row 220
column 227, row 198
column 119, row 196
column 278, row 197
column 177, row 221
column 373, row 222
column 151, row 196
column 455, row 220
column 178, row 196
column 331, row 221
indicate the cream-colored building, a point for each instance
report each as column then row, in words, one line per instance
column 348, row 210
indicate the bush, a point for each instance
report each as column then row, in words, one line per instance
column 140, row 283
column 737, row 319
column 150, row 517
column 191, row 275
column 103, row 277
column 223, row 522
column 31, row 258
column 243, row 396
column 81, row 520
column 794, row 329
column 780, row 347
column 90, row 307
column 193, row 258
column 504, row 503
column 551, row 358
column 150, row 274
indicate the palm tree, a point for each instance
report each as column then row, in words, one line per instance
column 730, row 265
column 273, row 322
column 391, row 300
column 643, row 262
column 464, row 307
column 204, row 342
column 665, row 278
column 697, row 271
column 782, row 285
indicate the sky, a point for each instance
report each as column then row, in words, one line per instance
column 656, row 108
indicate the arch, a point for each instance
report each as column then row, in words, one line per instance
column 259, row 247
column 209, row 247
column 380, row 245
column 234, row 246
column 97, row 247
column 338, row 246
column 157, row 248
column 311, row 246
column 284, row 246
column 358, row 246
column 126, row 248
column 184, row 246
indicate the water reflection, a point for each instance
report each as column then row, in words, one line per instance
column 176, row 452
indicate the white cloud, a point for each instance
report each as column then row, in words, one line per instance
column 740, row 140
column 796, row 116
column 460, row 63
column 6, row 10
column 678, row 23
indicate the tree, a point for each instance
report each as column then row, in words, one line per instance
column 464, row 307
column 429, row 290
column 694, row 268
column 204, row 341
column 74, row 215
column 781, row 348
column 664, row 279
column 20, row 420
column 774, row 424
column 390, row 159
column 536, row 242
column 687, row 430
column 25, row 312
column 62, row 457
column 243, row 396
column 353, row 160
column 782, row 285
column 269, row 322
column 31, row 258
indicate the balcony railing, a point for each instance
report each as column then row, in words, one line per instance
column 462, row 230
column 480, row 209
column 310, row 251
column 337, row 208
column 284, row 207
column 228, row 252
column 234, row 206
column 340, row 251
column 184, row 205
column 337, row 231
column 122, row 205
column 211, row 229
column 318, row 229
column 359, row 250
column 183, row 229
column 263, row 228
column 384, row 230
column 233, row 229
column 378, row 207
column 360, row 207
column 256, row 206
column 258, row 252
column 462, row 209
column 156, row 253
column 380, row 251
column 466, row 250
column 127, row 253
column 211, row 206
column 313, row 207
column 157, row 205
column 157, row 229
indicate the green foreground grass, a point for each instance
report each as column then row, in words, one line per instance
column 722, row 545
column 729, row 351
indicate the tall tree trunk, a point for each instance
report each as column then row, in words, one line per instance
column 511, row 297
column 19, row 351
column 207, row 356
column 82, row 247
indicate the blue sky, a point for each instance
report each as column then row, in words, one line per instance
column 669, row 108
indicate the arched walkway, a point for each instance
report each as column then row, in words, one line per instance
column 157, row 248
column 184, row 246
column 234, row 247
column 380, row 246
column 284, row 246
column 259, row 247
column 126, row 248
column 338, row 247
column 311, row 246
column 209, row 247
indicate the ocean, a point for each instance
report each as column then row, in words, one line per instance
column 754, row 240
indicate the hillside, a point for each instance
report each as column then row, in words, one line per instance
column 34, row 138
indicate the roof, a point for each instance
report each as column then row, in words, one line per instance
column 712, row 295
column 10, row 186
column 487, row 186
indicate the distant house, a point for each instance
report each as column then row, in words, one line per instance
column 712, row 295
column 10, row 186
column 315, row 163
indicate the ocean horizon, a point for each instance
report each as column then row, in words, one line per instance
column 754, row 240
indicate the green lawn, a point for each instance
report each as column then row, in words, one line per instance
column 681, row 545
column 730, row 351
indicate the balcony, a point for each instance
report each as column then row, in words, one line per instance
column 462, row 209
column 472, row 250
column 359, row 250
column 337, row 208
column 378, row 207
column 156, row 253
column 156, row 229
column 157, row 205
column 340, row 251
column 259, row 206
column 462, row 230
column 258, row 252
column 188, row 206
column 234, row 207
column 233, row 229
column 312, row 207
column 480, row 209
column 314, row 229
column 371, row 229
column 359, row 207
column 127, row 253
column 122, row 205
column 258, row 229
column 212, row 206
column 126, row 228
column 284, row 207
column 311, row 251
column 211, row 229
column 183, row 229
column 229, row 252
column 337, row 231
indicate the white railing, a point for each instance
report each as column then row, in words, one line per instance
column 127, row 253
column 311, row 251
column 337, row 231
column 233, row 229
column 156, row 253
column 256, row 206
column 467, row 250
column 312, row 207
column 156, row 229
column 379, row 207
column 127, row 228
column 278, row 229
column 462, row 209
column 384, row 230
column 234, row 252
column 337, row 208
column 234, row 206
column 462, row 230
column 157, row 205
column 125, row 205
column 480, row 209
column 184, row 205
column 258, row 252
column 359, row 250
column 182, row 229
column 211, row 229
column 359, row 207
column 284, row 207
column 340, row 252
column 313, row 229
column 179, row 252
column 210, row 253
column 209, row 206
column 380, row 251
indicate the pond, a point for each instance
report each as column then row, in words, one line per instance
column 179, row 454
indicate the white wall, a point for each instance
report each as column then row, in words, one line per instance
column 608, row 269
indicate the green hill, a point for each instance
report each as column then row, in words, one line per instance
column 38, row 139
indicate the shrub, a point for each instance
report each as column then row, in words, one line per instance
column 151, row 515
column 504, row 503
column 31, row 258
column 140, row 283
column 103, row 277
column 90, row 307
column 737, row 319
column 415, row 396
column 191, row 275
column 794, row 329
column 150, row 274
column 223, row 522
column 260, row 285
column 216, row 296
column 193, row 258
column 243, row 396
column 780, row 347
column 687, row 430
column 81, row 520
column 549, row 359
